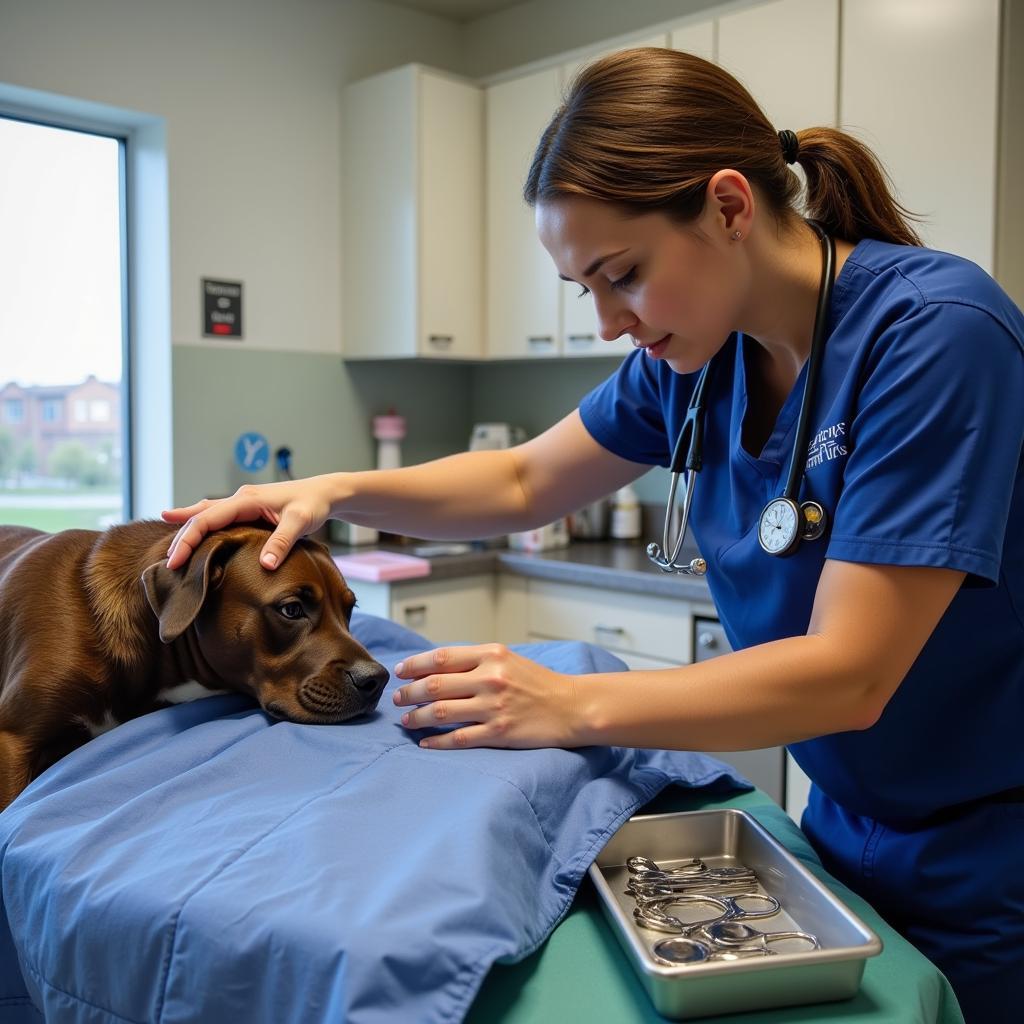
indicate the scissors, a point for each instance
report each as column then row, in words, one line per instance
column 651, row 912
column 723, row 936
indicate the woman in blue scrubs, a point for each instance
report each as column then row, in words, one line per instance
column 887, row 654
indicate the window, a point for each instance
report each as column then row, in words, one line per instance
column 62, row 328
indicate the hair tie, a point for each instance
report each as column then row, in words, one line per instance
column 790, row 145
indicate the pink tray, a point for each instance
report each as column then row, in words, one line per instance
column 380, row 566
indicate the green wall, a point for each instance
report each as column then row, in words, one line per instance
column 318, row 406
column 321, row 408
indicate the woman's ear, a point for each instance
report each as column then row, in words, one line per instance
column 730, row 204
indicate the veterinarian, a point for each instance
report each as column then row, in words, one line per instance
column 877, row 617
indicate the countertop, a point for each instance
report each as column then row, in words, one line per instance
column 618, row 565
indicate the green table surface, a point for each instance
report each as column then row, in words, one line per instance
column 581, row 973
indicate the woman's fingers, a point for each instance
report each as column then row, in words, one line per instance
column 447, row 712
column 443, row 659
column 461, row 739
column 179, row 515
column 294, row 525
column 214, row 516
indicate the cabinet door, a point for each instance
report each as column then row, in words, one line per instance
column 580, row 330
column 654, row 627
column 447, row 611
column 523, row 289
column 920, row 85
column 379, row 226
column 785, row 53
column 450, row 200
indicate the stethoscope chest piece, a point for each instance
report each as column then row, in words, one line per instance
column 784, row 523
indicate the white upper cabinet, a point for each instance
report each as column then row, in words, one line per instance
column 523, row 289
column 785, row 53
column 580, row 336
column 413, row 216
column 441, row 254
column 920, row 85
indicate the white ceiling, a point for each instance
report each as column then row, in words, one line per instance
column 458, row 10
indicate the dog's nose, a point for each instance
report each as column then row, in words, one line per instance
column 367, row 676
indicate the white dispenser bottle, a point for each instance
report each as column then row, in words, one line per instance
column 625, row 523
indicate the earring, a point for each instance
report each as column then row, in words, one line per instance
column 736, row 236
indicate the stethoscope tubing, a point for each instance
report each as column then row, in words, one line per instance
column 688, row 452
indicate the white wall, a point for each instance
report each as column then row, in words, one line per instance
column 250, row 90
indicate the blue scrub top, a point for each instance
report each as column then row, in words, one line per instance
column 915, row 453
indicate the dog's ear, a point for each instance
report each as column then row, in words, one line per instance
column 177, row 595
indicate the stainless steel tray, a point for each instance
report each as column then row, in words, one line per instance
column 731, row 837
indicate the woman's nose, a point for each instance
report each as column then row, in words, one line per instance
column 613, row 322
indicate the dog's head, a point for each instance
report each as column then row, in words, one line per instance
column 282, row 636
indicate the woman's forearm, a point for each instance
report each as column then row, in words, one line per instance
column 772, row 694
column 466, row 496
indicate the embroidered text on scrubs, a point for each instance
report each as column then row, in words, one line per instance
column 827, row 445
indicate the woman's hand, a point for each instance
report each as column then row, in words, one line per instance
column 512, row 701
column 297, row 507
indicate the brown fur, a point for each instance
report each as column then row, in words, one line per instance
column 83, row 614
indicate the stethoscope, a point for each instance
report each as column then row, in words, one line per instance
column 784, row 521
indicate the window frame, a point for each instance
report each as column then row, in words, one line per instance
column 127, row 378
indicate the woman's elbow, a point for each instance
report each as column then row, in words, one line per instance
column 872, row 694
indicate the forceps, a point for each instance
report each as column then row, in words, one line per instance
column 723, row 940
column 650, row 912
column 736, row 935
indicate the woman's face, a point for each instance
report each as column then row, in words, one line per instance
column 656, row 279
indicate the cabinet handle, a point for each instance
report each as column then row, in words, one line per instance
column 614, row 630
column 707, row 640
column 414, row 614
column 579, row 339
column 440, row 340
column 538, row 340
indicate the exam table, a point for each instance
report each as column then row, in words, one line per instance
column 248, row 869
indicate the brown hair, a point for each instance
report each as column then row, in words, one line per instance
column 647, row 128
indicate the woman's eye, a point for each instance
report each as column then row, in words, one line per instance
column 626, row 280
column 292, row 610
column 585, row 291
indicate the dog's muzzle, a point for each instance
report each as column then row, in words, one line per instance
column 363, row 681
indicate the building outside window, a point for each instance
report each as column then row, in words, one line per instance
column 62, row 343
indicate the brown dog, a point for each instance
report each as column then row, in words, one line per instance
column 83, row 614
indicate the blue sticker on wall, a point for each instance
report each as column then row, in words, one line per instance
column 252, row 451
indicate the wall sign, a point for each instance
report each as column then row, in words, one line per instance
column 252, row 451
column 222, row 308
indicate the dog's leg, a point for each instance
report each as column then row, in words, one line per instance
column 15, row 766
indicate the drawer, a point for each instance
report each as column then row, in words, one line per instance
column 634, row 662
column 457, row 610
column 657, row 627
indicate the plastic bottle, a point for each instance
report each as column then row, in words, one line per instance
column 388, row 431
column 625, row 514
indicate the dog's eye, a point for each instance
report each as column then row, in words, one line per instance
column 292, row 610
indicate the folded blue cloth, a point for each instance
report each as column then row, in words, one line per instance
column 206, row 863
